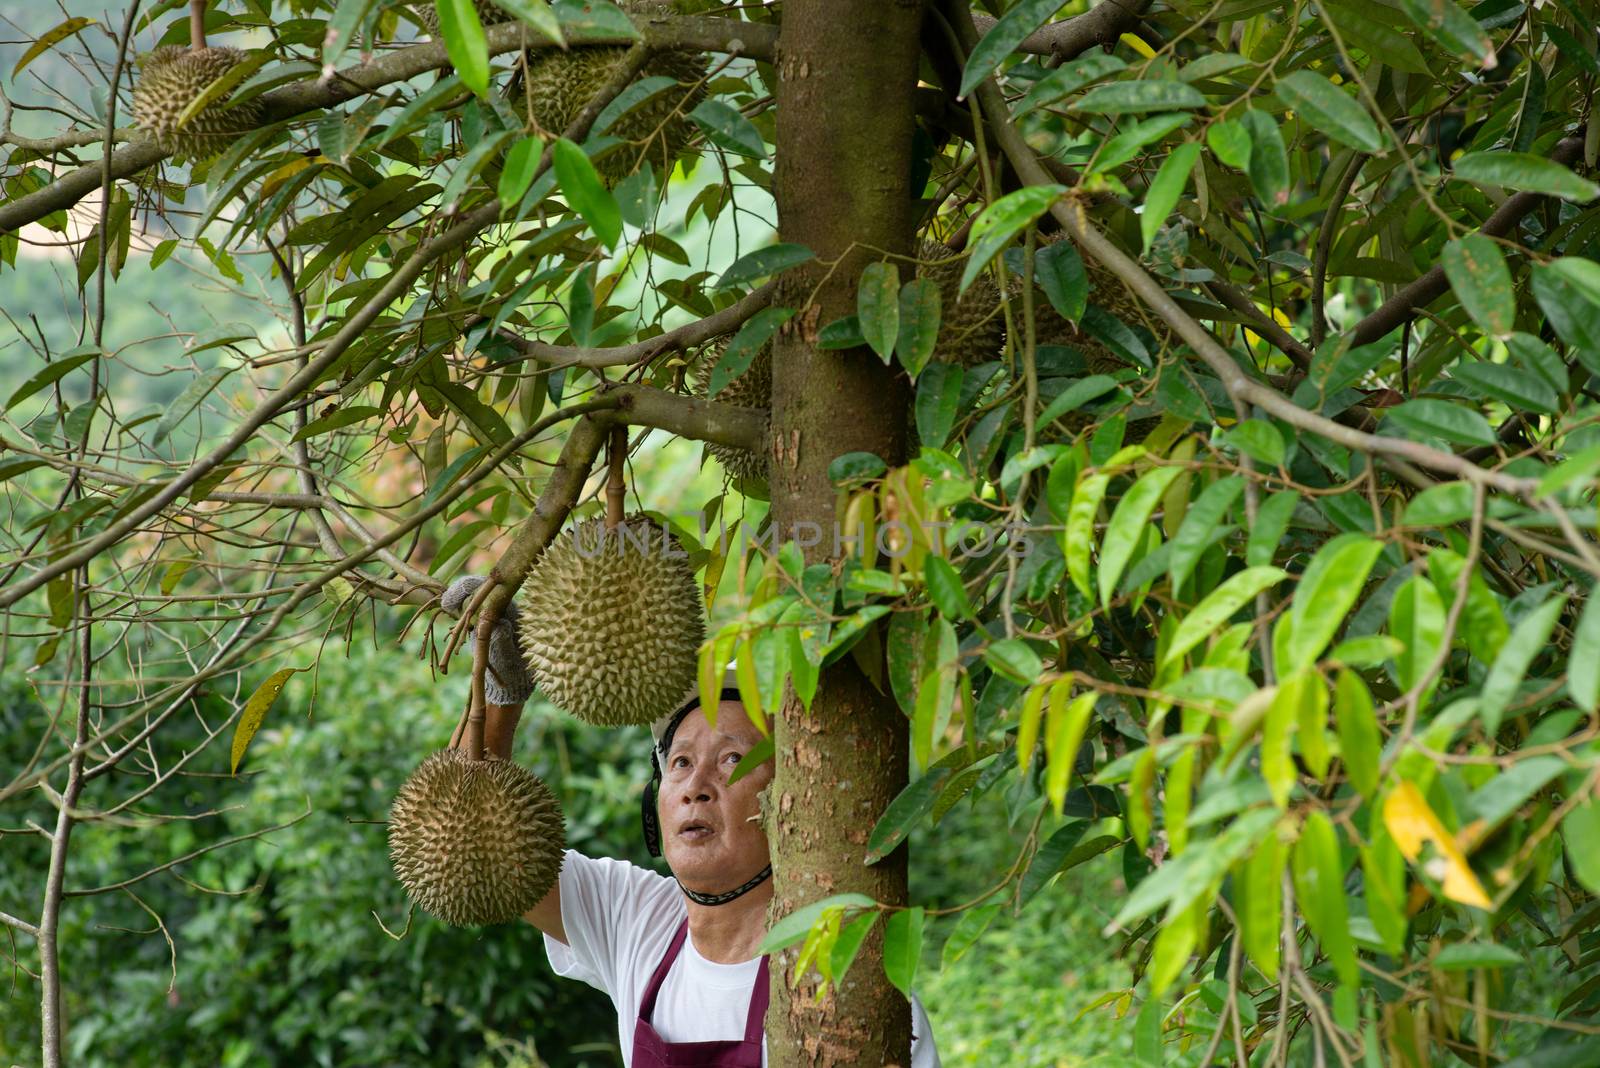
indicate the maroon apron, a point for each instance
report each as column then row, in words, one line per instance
column 649, row 1051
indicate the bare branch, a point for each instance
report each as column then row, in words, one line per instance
column 686, row 336
column 1100, row 25
column 22, row 925
column 213, row 847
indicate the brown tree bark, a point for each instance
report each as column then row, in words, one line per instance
column 847, row 74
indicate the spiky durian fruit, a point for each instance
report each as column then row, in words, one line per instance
column 171, row 78
column 972, row 329
column 559, row 84
column 475, row 841
column 488, row 11
column 753, row 389
column 611, row 622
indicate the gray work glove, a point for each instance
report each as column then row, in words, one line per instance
column 507, row 682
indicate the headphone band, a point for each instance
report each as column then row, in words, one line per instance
column 658, row 750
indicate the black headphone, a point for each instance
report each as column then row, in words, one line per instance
column 658, row 753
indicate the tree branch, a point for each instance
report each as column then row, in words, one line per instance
column 691, row 417
column 1100, row 25
column 214, row 846
column 1433, row 284
column 687, row 336
column 290, row 101
column 1074, row 219
column 22, row 925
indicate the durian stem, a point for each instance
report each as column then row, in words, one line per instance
column 480, row 662
column 615, row 490
column 197, row 24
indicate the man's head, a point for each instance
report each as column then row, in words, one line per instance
column 710, row 831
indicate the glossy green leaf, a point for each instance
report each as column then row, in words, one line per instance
column 1229, row 141
column 334, row 420
column 1523, row 171
column 726, row 128
column 755, row 333
column 1133, row 97
column 1058, row 268
column 1515, row 387
column 774, row 259
column 945, row 589
column 904, row 812
column 1356, row 722
column 919, row 324
column 1329, row 588
column 464, row 43
column 1208, row 512
column 1165, row 189
column 1013, row 658
column 1319, row 890
column 1482, row 282
column 1330, row 110
column 1002, row 40
column 795, row 926
column 1528, row 639
column 255, row 711
column 1219, row 606
column 587, row 195
column 1416, row 618
column 1078, row 538
column 1454, row 29
column 538, row 15
column 1128, row 525
column 1469, row 956
column 1001, row 221
column 195, row 392
column 52, row 373
column 968, row 929
column 1260, row 912
column 1069, row 78
column 1269, row 160
column 49, row 40
column 1583, row 665
column 878, row 307
column 1257, row 439
column 902, row 948
column 1440, row 419
column 1571, row 306
column 1580, row 830
column 516, row 174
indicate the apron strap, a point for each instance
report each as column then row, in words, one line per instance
column 755, row 1027
column 647, row 1007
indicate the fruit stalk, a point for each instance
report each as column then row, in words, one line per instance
column 614, row 485
column 197, row 24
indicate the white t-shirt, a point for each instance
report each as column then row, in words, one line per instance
column 620, row 919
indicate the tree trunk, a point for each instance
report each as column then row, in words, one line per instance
column 847, row 72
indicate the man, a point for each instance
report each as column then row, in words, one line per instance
column 677, row 956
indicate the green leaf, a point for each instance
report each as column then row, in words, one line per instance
column 1482, row 282
column 1229, row 141
column 1441, row 419
column 335, row 420
column 476, row 158
column 793, row 927
column 537, row 14
column 52, row 373
column 727, row 129
column 1328, row 589
column 1203, row 516
column 904, row 812
column 1257, row 439
column 968, row 929
column 1523, row 171
column 945, row 589
column 848, row 944
column 1058, row 268
column 583, row 190
column 1357, row 725
column 1508, row 791
column 855, row 467
column 1518, row 389
column 522, row 159
column 758, row 755
column 1182, row 879
column 1123, row 533
column 1078, row 538
column 1001, row 221
column 1416, row 618
column 1272, row 520
column 1330, row 110
column 1013, row 658
column 255, row 710
column 902, row 948
column 1261, row 910
column 448, row 476
column 1002, row 39
column 1076, row 396
column 1277, row 756
column 938, row 397
column 1125, row 145
column 464, row 43
column 1583, row 665
column 1048, row 859
column 1165, row 189
column 1319, row 888
column 1269, row 160
column 1219, row 606
column 195, row 392
column 1528, row 639
column 1069, row 78
column 1580, row 830
column 1125, row 98
column 878, row 307
column 1454, row 29
column 774, row 259
column 50, row 39
column 1065, row 725
column 755, row 333
column 1468, row 956
column 1572, row 305
column 919, row 324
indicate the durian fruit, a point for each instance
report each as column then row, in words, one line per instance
column 488, row 11
column 972, row 329
column 174, row 76
column 611, row 622
column 475, row 842
column 753, row 389
column 559, row 84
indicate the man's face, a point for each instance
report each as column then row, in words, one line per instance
column 710, row 839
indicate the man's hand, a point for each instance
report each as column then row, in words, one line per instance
column 507, row 682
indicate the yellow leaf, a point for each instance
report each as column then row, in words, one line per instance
column 1412, row 823
column 271, row 182
column 255, row 710
column 50, row 40
column 1137, row 43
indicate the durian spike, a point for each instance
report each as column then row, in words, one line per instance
column 615, row 490
column 197, row 24
column 480, row 662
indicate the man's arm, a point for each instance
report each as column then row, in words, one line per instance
column 499, row 728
